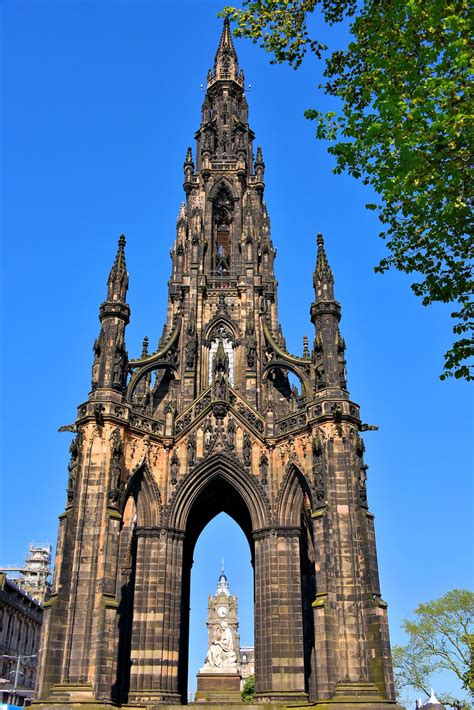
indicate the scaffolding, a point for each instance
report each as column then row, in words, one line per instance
column 34, row 576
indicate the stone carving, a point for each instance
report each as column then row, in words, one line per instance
column 119, row 370
column 318, row 476
column 208, row 436
column 250, row 341
column 231, row 434
column 247, row 450
column 362, row 485
column 115, row 467
column 97, row 348
column 220, row 366
column 99, row 410
column 263, row 465
column 74, row 450
column 191, row 342
column 320, row 377
column 221, row 652
column 174, row 468
column 191, row 448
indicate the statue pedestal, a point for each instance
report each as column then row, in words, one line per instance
column 218, row 685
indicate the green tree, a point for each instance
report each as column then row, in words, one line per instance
column 440, row 638
column 248, row 691
column 404, row 128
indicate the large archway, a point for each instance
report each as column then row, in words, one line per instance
column 158, row 548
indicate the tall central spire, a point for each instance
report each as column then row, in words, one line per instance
column 225, row 61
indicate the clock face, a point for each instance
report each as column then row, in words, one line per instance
column 222, row 611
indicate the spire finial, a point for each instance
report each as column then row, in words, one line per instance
column 181, row 213
column 222, row 566
column 225, row 61
column 145, row 346
column 118, row 277
column 306, row 352
column 323, row 279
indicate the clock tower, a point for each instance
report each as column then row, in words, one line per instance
column 222, row 606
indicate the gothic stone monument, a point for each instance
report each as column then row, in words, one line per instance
column 209, row 422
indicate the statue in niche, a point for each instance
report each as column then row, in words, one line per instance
column 208, row 434
column 263, row 463
column 231, row 434
column 191, row 448
column 174, row 468
column 293, row 399
column 342, row 369
column 191, row 343
column 362, row 484
column 115, row 466
column 220, row 366
column 97, row 348
column 320, row 377
column 318, row 476
column 221, row 652
column 220, row 386
column 251, row 342
column 72, row 466
column 119, row 370
column 207, row 142
column 247, row 450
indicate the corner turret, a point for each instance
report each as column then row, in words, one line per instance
column 109, row 370
column 329, row 346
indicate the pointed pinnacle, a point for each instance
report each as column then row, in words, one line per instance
column 118, row 278
column 322, row 264
column 323, row 279
column 226, row 46
column 189, row 156
column 145, row 347
column 181, row 213
column 306, row 352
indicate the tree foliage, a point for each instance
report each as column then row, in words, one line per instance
column 248, row 691
column 404, row 128
column 440, row 639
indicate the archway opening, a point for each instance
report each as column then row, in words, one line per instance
column 220, row 513
column 222, row 544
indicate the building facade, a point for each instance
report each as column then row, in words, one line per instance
column 209, row 422
column 20, row 629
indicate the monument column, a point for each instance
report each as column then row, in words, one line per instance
column 279, row 667
column 157, row 616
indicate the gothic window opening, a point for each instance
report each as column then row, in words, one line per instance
column 223, row 217
column 223, row 336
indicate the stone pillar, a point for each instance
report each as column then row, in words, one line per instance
column 157, row 630
column 279, row 642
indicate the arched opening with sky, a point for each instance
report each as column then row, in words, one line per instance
column 222, row 539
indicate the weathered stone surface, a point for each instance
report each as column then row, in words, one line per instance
column 210, row 422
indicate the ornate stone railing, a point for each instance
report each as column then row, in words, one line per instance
column 294, row 421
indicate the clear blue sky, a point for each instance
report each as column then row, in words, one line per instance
column 100, row 101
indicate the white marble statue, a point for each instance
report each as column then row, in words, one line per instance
column 221, row 652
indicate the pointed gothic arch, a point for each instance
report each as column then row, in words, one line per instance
column 223, row 183
column 294, row 496
column 226, row 468
column 143, row 488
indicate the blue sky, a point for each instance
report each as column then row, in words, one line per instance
column 100, row 101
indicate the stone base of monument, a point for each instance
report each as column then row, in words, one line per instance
column 218, row 685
